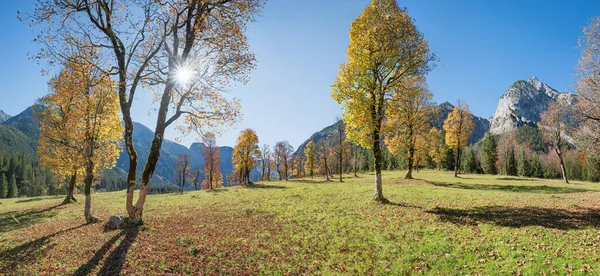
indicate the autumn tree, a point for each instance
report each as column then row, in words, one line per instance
column 265, row 153
column 187, row 52
column 437, row 146
column 212, row 160
column 458, row 127
column 80, row 121
column 245, row 154
column 340, row 147
column 183, row 170
column 555, row 124
column 408, row 119
column 284, row 151
column 197, row 176
column 386, row 50
column 311, row 158
column 324, row 150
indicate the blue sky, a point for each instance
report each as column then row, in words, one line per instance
column 483, row 47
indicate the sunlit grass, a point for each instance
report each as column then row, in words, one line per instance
column 436, row 223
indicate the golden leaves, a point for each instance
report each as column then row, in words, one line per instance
column 458, row 126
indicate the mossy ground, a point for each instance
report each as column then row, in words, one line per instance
column 475, row 224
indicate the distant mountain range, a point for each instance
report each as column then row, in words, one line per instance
column 21, row 133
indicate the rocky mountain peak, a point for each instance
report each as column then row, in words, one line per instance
column 523, row 103
column 4, row 116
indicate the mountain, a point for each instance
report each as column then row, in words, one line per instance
column 523, row 103
column 21, row 133
column 441, row 112
column 4, row 116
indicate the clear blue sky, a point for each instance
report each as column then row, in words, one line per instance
column 483, row 46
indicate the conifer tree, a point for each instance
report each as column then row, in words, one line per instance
column 489, row 154
column 13, row 191
column 3, row 186
column 524, row 167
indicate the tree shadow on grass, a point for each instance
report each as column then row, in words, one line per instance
column 514, row 179
column 17, row 219
column 35, row 199
column 540, row 189
column 113, row 264
column 521, row 217
column 29, row 252
column 263, row 186
column 399, row 204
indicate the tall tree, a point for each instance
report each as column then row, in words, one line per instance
column 408, row 118
column 324, row 151
column 489, row 154
column 437, row 147
column 555, row 124
column 3, row 186
column 284, row 152
column 510, row 162
column 80, row 123
column 13, row 190
column 386, row 49
column 523, row 165
column 186, row 51
column 311, row 158
column 340, row 146
column 212, row 160
column 245, row 154
column 264, row 160
column 458, row 127
column 183, row 170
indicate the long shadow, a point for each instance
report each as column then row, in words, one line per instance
column 400, row 204
column 14, row 220
column 34, row 199
column 263, row 186
column 540, row 189
column 515, row 179
column 29, row 252
column 521, row 217
column 115, row 261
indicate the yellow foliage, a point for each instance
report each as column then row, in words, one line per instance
column 458, row 126
column 245, row 153
column 79, row 120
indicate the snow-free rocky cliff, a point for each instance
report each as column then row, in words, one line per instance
column 523, row 103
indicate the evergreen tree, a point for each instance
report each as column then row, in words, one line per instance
column 536, row 167
column 3, row 186
column 510, row 162
column 524, row 167
column 489, row 154
column 470, row 162
column 13, row 191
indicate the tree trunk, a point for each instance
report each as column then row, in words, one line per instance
column 411, row 158
column 457, row 162
column 89, row 179
column 563, row 169
column 378, row 196
column 70, row 189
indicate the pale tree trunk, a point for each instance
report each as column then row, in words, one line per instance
column 69, row 198
column 563, row 169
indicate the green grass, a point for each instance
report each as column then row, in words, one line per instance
column 475, row 224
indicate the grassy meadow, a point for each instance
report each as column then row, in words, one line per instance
column 475, row 224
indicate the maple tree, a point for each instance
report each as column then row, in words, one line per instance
column 283, row 151
column 80, row 125
column 555, row 124
column 437, row 146
column 408, row 120
column 458, row 127
column 212, row 161
column 245, row 154
column 186, row 52
column 324, row 150
column 183, row 171
column 311, row 158
column 386, row 49
column 265, row 162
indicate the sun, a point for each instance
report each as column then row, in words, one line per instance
column 184, row 75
